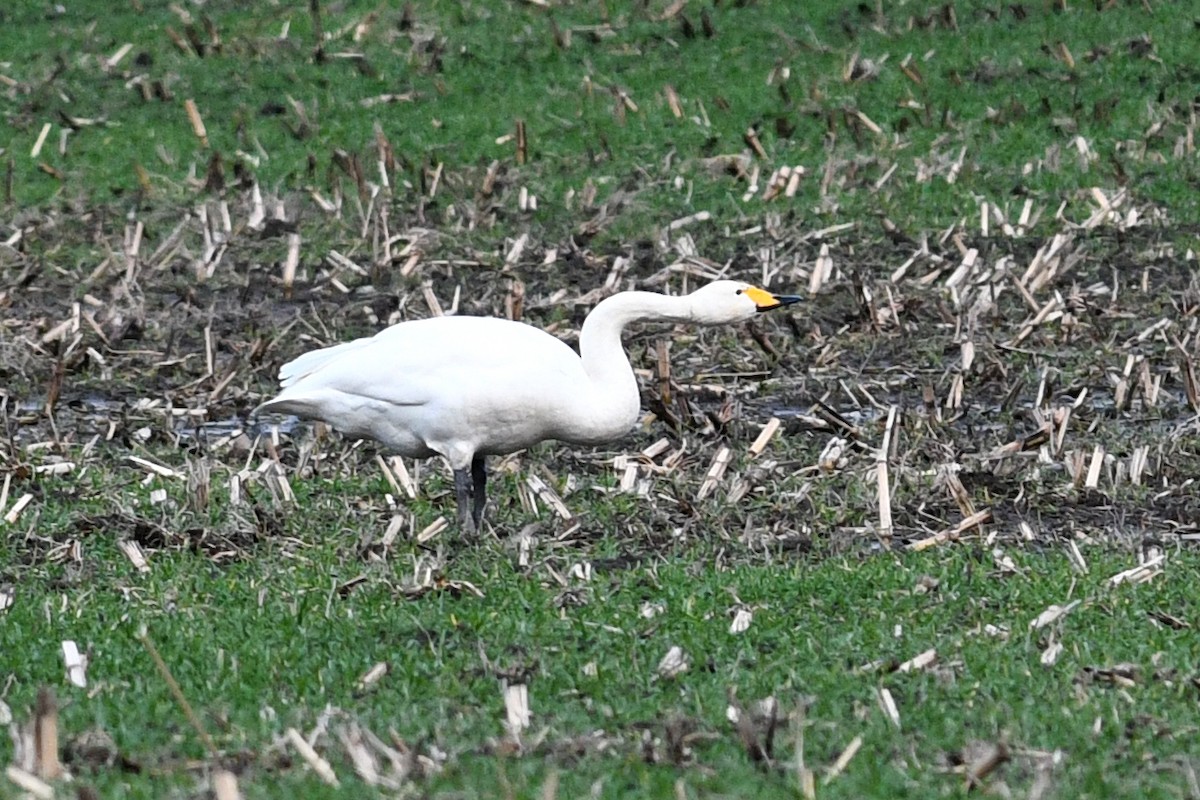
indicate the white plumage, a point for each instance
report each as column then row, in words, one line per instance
column 470, row 387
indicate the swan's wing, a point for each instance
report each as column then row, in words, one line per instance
column 302, row 366
column 369, row 371
column 399, row 336
column 415, row 363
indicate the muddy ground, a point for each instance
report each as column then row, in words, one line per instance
column 1046, row 377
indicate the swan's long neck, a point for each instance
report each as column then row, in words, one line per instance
column 613, row 400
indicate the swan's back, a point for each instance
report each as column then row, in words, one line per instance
column 438, row 354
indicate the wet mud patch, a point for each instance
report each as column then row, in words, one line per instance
column 1037, row 378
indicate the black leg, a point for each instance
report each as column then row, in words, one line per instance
column 479, row 479
column 462, row 496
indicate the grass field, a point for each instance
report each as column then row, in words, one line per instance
column 961, row 563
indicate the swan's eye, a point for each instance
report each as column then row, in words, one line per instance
column 739, row 291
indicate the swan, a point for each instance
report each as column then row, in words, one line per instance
column 469, row 387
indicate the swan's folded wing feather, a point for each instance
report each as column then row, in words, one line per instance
column 443, row 360
column 304, row 365
column 369, row 372
column 415, row 336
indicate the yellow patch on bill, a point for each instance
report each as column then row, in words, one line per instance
column 761, row 297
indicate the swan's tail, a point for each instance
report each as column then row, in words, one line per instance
column 301, row 407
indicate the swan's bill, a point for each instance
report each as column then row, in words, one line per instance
column 765, row 301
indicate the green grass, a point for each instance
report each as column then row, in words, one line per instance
column 283, row 641
column 266, row 640
column 995, row 86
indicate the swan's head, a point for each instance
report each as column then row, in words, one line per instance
column 722, row 302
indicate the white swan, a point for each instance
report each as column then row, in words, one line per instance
column 470, row 387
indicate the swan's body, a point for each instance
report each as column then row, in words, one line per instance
column 470, row 387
